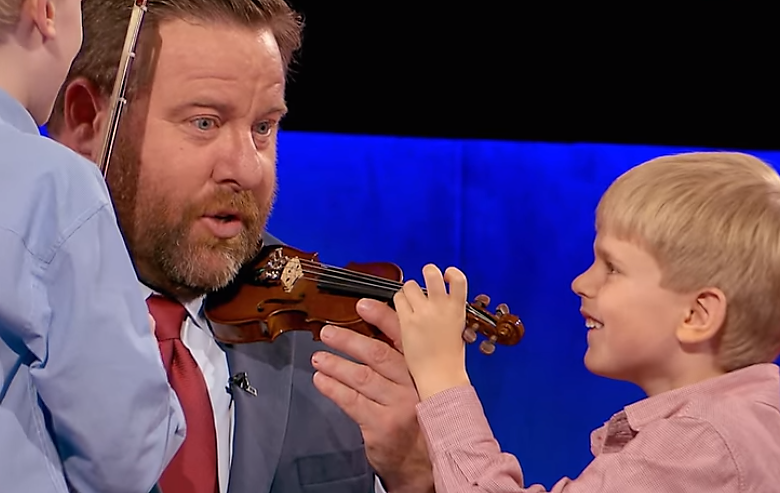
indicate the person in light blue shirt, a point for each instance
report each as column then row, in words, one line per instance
column 84, row 400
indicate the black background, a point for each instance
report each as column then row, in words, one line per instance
column 558, row 74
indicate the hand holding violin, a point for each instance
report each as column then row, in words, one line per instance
column 375, row 389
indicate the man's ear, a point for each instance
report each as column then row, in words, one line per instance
column 84, row 114
column 705, row 318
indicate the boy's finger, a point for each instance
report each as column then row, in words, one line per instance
column 402, row 306
column 413, row 294
column 458, row 284
column 434, row 282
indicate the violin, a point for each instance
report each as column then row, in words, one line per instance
column 286, row 289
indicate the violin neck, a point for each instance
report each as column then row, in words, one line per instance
column 358, row 289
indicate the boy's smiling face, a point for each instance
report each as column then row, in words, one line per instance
column 633, row 321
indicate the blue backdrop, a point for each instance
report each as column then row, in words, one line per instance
column 517, row 218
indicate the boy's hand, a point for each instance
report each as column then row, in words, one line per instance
column 152, row 323
column 432, row 328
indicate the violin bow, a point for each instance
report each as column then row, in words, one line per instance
column 118, row 100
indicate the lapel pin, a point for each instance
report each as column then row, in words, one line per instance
column 241, row 380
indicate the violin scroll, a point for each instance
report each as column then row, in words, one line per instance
column 500, row 327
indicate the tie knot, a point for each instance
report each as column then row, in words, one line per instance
column 168, row 316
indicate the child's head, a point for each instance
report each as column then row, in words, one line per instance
column 686, row 277
column 38, row 41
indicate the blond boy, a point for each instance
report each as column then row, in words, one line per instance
column 682, row 300
column 84, row 400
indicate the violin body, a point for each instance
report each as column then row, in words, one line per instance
column 287, row 289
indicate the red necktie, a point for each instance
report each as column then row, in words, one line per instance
column 194, row 467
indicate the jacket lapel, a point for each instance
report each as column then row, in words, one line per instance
column 260, row 420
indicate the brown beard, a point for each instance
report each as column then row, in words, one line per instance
column 159, row 232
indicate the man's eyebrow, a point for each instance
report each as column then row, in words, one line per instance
column 281, row 110
column 207, row 103
column 204, row 103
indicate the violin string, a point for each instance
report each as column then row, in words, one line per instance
column 345, row 282
column 338, row 277
column 353, row 279
column 364, row 291
column 351, row 273
column 373, row 281
column 381, row 293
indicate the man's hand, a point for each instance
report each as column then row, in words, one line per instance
column 378, row 393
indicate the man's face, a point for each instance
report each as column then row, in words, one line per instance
column 193, row 170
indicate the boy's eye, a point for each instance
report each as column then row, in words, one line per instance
column 611, row 268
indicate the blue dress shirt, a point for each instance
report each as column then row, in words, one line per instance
column 84, row 401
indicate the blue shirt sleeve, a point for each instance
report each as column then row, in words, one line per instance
column 115, row 420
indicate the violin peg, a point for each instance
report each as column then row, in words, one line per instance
column 469, row 335
column 488, row 346
column 502, row 310
column 482, row 299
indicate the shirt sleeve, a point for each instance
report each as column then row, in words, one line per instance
column 677, row 454
column 95, row 366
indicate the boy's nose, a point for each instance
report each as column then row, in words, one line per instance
column 582, row 285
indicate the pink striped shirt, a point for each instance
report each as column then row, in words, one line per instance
column 720, row 435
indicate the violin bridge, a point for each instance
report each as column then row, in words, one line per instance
column 292, row 272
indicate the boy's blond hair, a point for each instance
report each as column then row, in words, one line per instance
column 710, row 219
column 10, row 12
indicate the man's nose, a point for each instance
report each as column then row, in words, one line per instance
column 242, row 166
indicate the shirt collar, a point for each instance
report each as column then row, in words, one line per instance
column 613, row 436
column 759, row 382
column 194, row 307
column 16, row 115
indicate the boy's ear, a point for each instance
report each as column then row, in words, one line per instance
column 42, row 15
column 705, row 317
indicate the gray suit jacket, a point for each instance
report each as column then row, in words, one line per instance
column 290, row 438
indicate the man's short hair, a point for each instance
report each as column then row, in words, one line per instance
column 105, row 25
